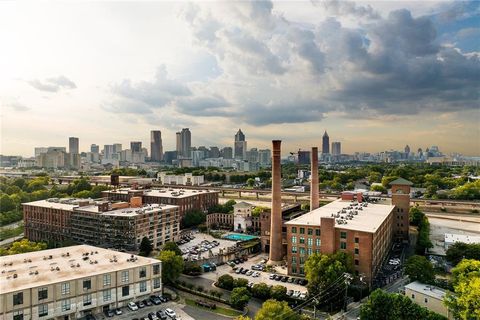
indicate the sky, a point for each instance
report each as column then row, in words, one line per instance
column 377, row 75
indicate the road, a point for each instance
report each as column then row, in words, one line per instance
column 12, row 225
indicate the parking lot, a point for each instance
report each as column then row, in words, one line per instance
column 202, row 244
column 263, row 276
column 143, row 312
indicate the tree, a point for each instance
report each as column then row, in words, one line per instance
column 459, row 250
column 379, row 188
column 278, row 292
column 416, row 216
column 24, row 246
column 172, row 266
column 145, row 247
column 324, row 269
column 225, row 281
column 172, row 246
column 250, row 182
column 239, row 298
column 240, row 282
column 193, row 218
column 82, row 194
column 465, row 303
column 261, row 291
column 272, row 309
column 418, row 268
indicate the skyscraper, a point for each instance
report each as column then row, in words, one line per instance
column 303, row 157
column 94, row 148
column 73, row 145
column 117, row 147
column 227, row 153
column 240, row 145
column 156, row 147
column 407, row 149
column 136, row 146
column 325, row 143
column 184, row 143
column 336, row 148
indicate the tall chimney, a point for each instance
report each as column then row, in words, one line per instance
column 276, row 250
column 314, row 179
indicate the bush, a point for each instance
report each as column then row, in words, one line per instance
column 200, row 289
column 225, row 282
column 239, row 298
column 240, row 282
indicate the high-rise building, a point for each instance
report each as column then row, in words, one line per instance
column 184, row 143
column 227, row 153
column 325, row 143
column 107, row 151
column 94, row 148
column 136, row 146
column 117, row 147
column 336, row 148
column 40, row 150
column 252, row 155
column 407, row 149
column 265, row 157
column 240, row 145
column 303, row 157
column 73, row 145
column 156, row 147
column 214, row 152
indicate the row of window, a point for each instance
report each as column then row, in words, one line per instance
column 309, row 241
column 309, row 231
column 304, row 251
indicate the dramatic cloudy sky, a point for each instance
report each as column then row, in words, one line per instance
column 376, row 75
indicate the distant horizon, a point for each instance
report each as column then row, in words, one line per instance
column 377, row 75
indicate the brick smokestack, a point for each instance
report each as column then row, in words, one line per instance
column 276, row 250
column 314, row 180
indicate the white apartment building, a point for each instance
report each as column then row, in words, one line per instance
column 72, row 282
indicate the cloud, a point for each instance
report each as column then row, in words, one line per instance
column 53, row 84
column 213, row 106
column 347, row 8
column 13, row 104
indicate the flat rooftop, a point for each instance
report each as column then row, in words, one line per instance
column 451, row 238
column 426, row 289
column 165, row 192
column 36, row 269
column 349, row 215
column 128, row 212
column 60, row 203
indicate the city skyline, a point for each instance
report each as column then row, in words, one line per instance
column 375, row 75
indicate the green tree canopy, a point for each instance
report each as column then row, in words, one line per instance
column 172, row 246
column 239, row 297
column 278, row 292
column 324, row 269
column 24, row 246
column 193, row 218
column 172, row 266
column 145, row 247
column 272, row 309
column 418, row 268
column 225, row 281
column 460, row 250
column 261, row 291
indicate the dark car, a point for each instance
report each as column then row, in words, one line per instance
column 290, row 280
column 152, row 316
column 147, row 302
column 90, row 317
column 161, row 314
column 163, row 299
column 284, row 279
column 237, row 261
column 109, row 313
column 155, row 300
column 244, row 271
column 140, row 304
column 277, row 278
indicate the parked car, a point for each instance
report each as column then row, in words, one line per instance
column 169, row 312
column 90, row 317
column 163, row 299
column 277, row 277
column 249, row 273
column 155, row 300
column 272, row 276
column 118, row 311
column 140, row 304
column 132, row 306
column 289, row 293
column 284, row 279
column 161, row 314
column 244, row 271
column 109, row 313
column 152, row 316
column 147, row 302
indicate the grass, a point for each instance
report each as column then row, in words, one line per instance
column 220, row 310
column 10, row 232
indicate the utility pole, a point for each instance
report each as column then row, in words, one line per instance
column 348, row 278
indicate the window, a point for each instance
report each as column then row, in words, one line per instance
column 343, row 245
column 125, row 291
column 294, row 229
column 356, row 240
column 426, row 300
column 302, row 260
column 65, row 305
column 156, row 283
column 343, row 235
column 17, row 315
column 107, row 295
column 294, row 249
column 42, row 293
column 294, row 239
column 65, row 288
column 156, row 269
column 309, row 231
column 317, row 242
column 309, row 251
column 294, row 269
column 142, row 272
column 302, row 230
column 357, row 262
column 310, row 242
column 107, row 280
column 87, row 284
column 124, row 276
column 87, row 300
column 143, row 286
column 18, row 298
column 302, row 251
column 413, row 296
column 317, row 251
column 294, row 259
column 356, row 250
column 302, row 240
column 317, row 232
column 43, row 310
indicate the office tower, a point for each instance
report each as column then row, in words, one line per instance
column 407, row 149
column 227, row 153
column 240, row 145
column 179, row 143
column 252, row 155
column 169, row 156
column 325, row 143
column 184, row 143
column 314, row 197
column 214, row 152
column 136, row 146
column 265, row 157
column 117, row 147
column 336, row 148
column 156, row 147
column 94, row 148
column 276, row 250
column 303, row 157
column 73, row 145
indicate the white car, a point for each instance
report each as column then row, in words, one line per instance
column 169, row 312
column 132, row 306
